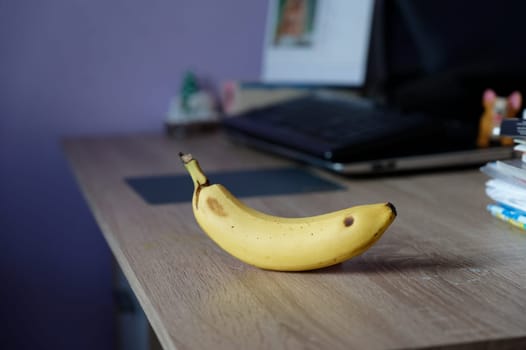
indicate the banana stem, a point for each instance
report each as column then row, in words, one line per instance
column 193, row 168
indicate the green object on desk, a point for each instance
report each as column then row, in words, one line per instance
column 166, row 189
column 188, row 88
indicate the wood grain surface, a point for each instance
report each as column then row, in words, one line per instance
column 445, row 275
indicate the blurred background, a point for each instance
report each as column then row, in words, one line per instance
column 72, row 67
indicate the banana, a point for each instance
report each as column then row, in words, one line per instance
column 283, row 244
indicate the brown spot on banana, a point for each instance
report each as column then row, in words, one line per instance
column 348, row 221
column 197, row 192
column 215, row 206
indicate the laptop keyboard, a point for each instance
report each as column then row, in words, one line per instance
column 335, row 129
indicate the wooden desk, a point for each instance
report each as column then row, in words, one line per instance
column 445, row 275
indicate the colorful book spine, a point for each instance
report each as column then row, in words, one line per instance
column 513, row 217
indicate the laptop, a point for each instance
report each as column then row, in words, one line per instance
column 414, row 107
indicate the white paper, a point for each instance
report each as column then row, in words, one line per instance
column 506, row 193
column 334, row 52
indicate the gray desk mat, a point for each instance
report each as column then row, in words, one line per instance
column 166, row 189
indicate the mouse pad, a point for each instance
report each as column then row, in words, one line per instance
column 167, row 189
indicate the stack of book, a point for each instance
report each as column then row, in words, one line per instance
column 507, row 186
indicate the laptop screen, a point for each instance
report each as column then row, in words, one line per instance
column 440, row 56
column 317, row 42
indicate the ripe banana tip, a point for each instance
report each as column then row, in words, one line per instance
column 393, row 209
column 185, row 157
column 192, row 166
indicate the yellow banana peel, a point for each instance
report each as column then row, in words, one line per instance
column 284, row 244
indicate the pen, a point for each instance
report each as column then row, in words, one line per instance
column 510, row 216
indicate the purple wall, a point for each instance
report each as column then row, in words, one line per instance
column 71, row 67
